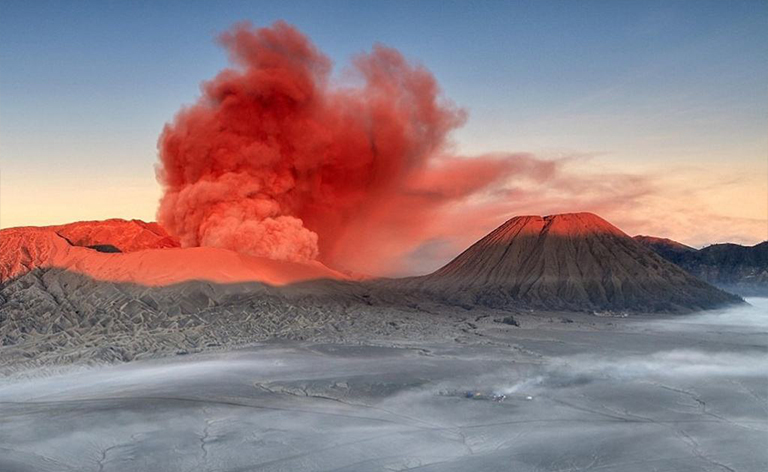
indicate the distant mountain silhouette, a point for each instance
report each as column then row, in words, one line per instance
column 732, row 267
column 573, row 261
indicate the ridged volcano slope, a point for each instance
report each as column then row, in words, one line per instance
column 569, row 262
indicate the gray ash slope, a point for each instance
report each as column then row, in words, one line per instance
column 57, row 317
column 54, row 316
column 732, row 267
column 577, row 262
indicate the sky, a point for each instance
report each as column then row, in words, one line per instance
column 656, row 113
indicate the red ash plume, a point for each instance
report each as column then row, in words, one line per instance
column 278, row 159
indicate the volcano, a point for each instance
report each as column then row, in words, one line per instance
column 575, row 261
column 140, row 253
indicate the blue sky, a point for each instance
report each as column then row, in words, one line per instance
column 643, row 86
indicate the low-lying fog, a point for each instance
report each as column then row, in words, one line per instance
column 676, row 394
column 754, row 314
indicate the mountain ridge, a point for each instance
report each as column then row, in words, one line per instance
column 143, row 254
column 571, row 262
column 732, row 267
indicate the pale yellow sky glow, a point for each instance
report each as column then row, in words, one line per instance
column 694, row 205
column 23, row 203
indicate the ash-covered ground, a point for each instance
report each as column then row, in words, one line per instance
column 556, row 393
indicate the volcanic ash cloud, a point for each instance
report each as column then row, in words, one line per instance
column 279, row 159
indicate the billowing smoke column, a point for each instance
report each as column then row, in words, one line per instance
column 276, row 159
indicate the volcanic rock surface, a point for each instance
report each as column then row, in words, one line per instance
column 568, row 262
column 732, row 267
